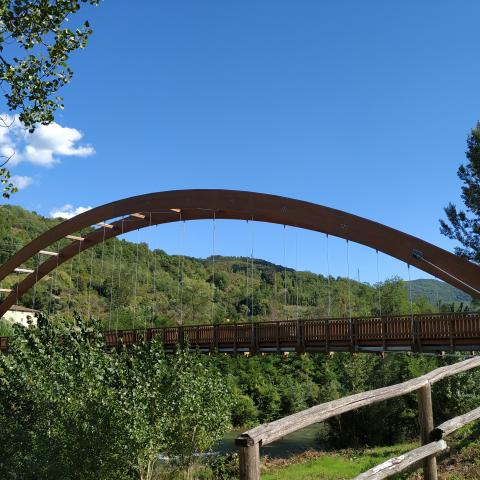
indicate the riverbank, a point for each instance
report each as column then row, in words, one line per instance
column 339, row 465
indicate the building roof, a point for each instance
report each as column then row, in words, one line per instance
column 21, row 308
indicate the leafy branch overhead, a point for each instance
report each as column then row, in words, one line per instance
column 464, row 225
column 35, row 47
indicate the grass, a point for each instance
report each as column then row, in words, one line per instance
column 333, row 466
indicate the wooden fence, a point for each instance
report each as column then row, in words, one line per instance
column 249, row 443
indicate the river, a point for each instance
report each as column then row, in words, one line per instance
column 296, row 442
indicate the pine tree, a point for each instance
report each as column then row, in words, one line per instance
column 464, row 225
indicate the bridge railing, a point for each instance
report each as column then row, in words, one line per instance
column 441, row 331
column 249, row 443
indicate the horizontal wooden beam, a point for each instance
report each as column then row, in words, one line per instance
column 24, row 270
column 104, row 225
column 74, row 237
column 454, row 424
column 396, row 465
column 270, row 432
column 47, row 252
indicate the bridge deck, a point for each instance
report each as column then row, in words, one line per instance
column 400, row 333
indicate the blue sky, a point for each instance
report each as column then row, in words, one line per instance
column 361, row 106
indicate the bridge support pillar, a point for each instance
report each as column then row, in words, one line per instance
column 425, row 413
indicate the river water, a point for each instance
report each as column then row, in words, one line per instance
column 296, row 442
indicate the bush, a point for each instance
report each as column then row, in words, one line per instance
column 224, row 467
column 70, row 409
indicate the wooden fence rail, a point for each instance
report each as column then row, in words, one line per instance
column 250, row 442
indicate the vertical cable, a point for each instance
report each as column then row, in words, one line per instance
column 328, row 278
column 251, row 270
column 179, row 268
column 155, row 299
column 412, row 325
column 285, row 271
column 153, row 277
column 135, row 291
column 410, row 290
column 119, row 275
column 90, row 282
column 296, row 271
column 213, row 268
column 72, row 283
column 112, row 286
column 37, row 262
column 101, row 274
column 53, row 282
column 437, row 294
column 378, row 288
column 182, row 272
column 247, row 275
column 349, row 285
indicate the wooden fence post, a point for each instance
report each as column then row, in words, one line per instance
column 425, row 416
column 250, row 462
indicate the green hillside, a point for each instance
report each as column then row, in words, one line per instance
column 438, row 292
column 127, row 284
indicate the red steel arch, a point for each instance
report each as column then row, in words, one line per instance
column 171, row 206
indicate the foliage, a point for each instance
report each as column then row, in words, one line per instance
column 464, row 225
column 69, row 409
column 35, row 47
column 271, row 387
column 224, row 467
column 8, row 186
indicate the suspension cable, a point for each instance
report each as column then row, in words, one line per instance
column 37, row 262
column 285, row 272
column 101, row 268
column 213, row 269
column 155, row 299
column 72, row 282
column 251, row 270
column 182, row 271
column 328, row 278
column 149, row 271
column 437, row 294
column 111, row 288
column 410, row 290
column 179, row 269
column 71, row 286
column 349, row 284
column 378, row 287
column 135, row 291
column 296, row 271
column 53, row 281
column 119, row 276
column 92, row 255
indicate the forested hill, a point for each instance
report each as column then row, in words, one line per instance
column 169, row 288
column 436, row 291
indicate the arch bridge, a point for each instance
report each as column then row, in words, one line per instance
column 413, row 332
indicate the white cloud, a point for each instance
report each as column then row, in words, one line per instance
column 21, row 182
column 44, row 146
column 68, row 211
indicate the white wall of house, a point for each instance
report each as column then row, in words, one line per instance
column 22, row 317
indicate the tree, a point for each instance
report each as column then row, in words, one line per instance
column 71, row 409
column 464, row 225
column 35, row 46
